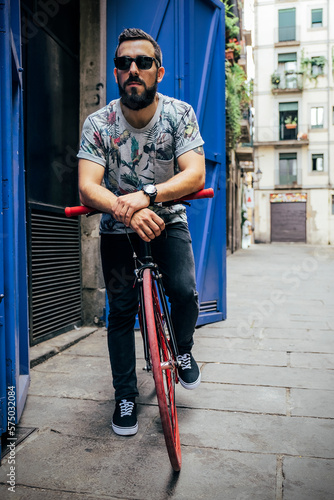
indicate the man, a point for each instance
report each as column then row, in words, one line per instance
column 147, row 149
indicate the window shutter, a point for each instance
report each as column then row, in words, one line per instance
column 287, row 24
column 288, row 106
column 316, row 17
column 291, row 57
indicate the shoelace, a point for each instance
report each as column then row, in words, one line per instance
column 185, row 361
column 126, row 408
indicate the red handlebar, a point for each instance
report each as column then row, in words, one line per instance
column 203, row 193
column 82, row 210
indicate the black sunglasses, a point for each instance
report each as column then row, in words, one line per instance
column 142, row 62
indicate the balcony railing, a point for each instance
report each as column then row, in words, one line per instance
column 281, row 135
column 246, row 126
column 289, row 81
column 283, row 178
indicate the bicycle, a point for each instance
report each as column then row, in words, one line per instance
column 160, row 347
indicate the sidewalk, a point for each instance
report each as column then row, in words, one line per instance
column 260, row 426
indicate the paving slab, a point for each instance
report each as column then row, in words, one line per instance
column 267, row 434
column 81, row 378
column 272, row 376
column 250, row 399
column 312, row 360
column 206, row 351
column 308, row 479
column 312, row 403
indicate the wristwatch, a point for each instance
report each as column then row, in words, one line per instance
column 151, row 191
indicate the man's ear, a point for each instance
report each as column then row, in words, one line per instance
column 161, row 72
column 115, row 75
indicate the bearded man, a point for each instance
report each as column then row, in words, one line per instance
column 137, row 152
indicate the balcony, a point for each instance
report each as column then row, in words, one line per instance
column 288, row 83
column 245, row 152
column 246, row 124
column 281, row 136
column 244, row 149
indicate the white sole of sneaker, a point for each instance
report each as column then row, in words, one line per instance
column 125, row 431
column 191, row 386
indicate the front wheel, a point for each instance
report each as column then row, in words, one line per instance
column 164, row 369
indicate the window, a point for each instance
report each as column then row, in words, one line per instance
column 318, row 163
column 288, row 121
column 286, row 25
column 287, row 68
column 316, row 18
column 317, row 117
column 287, row 168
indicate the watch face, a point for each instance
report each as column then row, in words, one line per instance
column 150, row 189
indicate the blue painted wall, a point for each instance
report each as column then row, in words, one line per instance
column 14, row 338
column 191, row 34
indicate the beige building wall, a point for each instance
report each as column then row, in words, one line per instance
column 318, row 185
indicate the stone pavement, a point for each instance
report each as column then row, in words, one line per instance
column 259, row 427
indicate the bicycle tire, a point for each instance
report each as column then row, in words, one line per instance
column 164, row 379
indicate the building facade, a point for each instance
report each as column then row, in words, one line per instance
column 294, row 125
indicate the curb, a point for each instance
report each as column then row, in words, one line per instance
column 45, row 350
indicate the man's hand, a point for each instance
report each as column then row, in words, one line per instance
column 147, row 224
column 125, row 206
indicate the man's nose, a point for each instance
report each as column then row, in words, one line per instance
column 134, row 68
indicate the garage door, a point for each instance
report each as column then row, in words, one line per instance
column 288, row 222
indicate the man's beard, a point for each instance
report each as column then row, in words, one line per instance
column 136, row 101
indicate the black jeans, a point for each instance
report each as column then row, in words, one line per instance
column 172, row 251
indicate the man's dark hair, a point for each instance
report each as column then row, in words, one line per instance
column 138, row 34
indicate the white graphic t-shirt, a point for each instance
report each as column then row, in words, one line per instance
column 135, row 157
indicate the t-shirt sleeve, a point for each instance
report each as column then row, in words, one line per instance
column 91, row 146
column 187, row 135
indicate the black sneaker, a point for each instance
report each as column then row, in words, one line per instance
column 124, row 421
column 189, row 374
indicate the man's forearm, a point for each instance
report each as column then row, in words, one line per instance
column 98, row 197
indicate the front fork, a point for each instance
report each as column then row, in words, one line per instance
column 170, row 364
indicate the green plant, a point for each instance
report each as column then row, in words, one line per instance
column 232, row 29
column 290, row 120
column 275, row 79
column 308, row 66
column 238, row 98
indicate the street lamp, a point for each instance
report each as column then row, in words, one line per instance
column 258, row 175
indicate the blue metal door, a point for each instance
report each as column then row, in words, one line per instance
column 191, row 34
column 14, row 343
column 3, row 400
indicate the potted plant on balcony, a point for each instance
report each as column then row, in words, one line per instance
column 290, row 122
column 275, row 79
column 233, row 45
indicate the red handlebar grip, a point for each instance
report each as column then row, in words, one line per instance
column 73, row 211
column 203, row 193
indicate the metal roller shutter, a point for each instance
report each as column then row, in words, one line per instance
column 55, row 277
column 288, row 222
